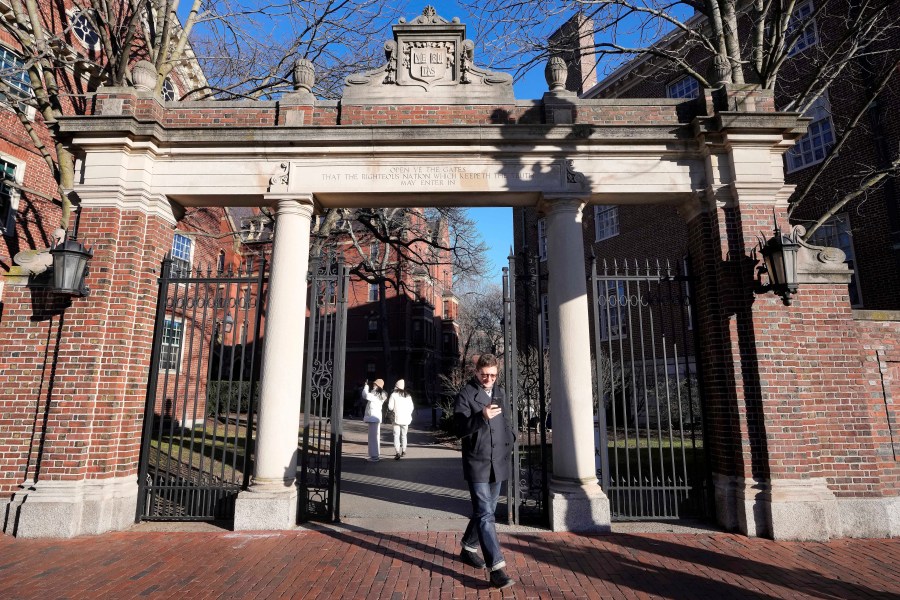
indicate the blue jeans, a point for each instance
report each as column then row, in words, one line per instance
column 482, row 527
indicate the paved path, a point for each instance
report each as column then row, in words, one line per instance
column 399, row 539
column 345, row 563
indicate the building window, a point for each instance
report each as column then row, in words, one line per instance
column 370, row 370
column 170, row 354
column 373, row 292
column 169, row 93
column 84, row 31
column 182, row 255
column 220, row 262
column 15, row 76
column 686, row 290
column 373, row 251
column 612, row 304
column 802, row 17
column 9, row 197
column 606, row 222
column 373, row 329
column 686, row 87
column 545, row 321
column 813, row 147
column 836, row 233
column 542, row 239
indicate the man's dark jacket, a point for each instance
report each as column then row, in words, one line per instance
column 486, row 444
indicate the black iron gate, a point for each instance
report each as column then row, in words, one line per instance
column 651, row 458
column 323, row 391
column 197, row 444
column 524, row 378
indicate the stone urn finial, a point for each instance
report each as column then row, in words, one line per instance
column 556, row 73
column 143, row 76
column 304, row 74
column 720, row 71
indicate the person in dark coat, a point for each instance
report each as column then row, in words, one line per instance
column 487, row 442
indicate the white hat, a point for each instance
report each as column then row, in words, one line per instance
column 400, row 384
column 379, row 383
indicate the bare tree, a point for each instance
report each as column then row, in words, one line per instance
column 480, row 313
column 724, row 41
column 408, row 250
column 233, row 48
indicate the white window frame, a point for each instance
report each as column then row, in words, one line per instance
column 606, row 222
column 168, row 363
column 373, row 292
column 73, row 17
column 837, row 232
column 813, row 147
column 613, row 319
column 810, row 35
column 8, row 226
column 27, row 109
column 181, row 266
column 545, row 321
column 542, row 239
column 169, row 92
column 686, row 87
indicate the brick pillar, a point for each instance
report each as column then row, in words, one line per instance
column 793, row 455
column 82, row 373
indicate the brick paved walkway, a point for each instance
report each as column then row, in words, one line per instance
column 342, row 563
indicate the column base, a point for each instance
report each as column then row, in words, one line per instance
column 64, row 509
column 582, row 508
column 266, row 506
column 801, row 510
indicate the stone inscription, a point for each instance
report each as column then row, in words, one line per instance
column 430, row 176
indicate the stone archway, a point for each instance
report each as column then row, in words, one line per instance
column 432, row 128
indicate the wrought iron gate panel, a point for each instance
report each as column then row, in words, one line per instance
column 197, row 443
column 528, row 491
column 323, row 391
column 650, row 450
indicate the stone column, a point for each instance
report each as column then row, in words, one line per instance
column 271, row 500
column 577, row 503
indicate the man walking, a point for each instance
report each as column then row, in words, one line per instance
column 487, row 442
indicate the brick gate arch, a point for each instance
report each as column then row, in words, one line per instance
column 453, row 134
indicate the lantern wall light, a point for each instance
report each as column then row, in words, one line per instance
column 779, row 254
column 70, row 259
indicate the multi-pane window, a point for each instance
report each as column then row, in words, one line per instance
column 12, row 70
column 182, row 254
column 542, row 239
column 686, row 87
column 373, row 292
column 168, row 90
column 8, row 197
column 813, row 147
column 836, row 233
column 373, row 328
column 545, row 321
column 606, row 222
column 802, row 17
column 612, row 304
column 84, row 30
column 170, row 354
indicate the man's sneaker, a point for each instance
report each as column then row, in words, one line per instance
column 397, row 457
column 471, row 559
column 499, row 579
column 403, row 453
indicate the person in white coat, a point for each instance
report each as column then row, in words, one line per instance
column 401, row 404
column 375, row 397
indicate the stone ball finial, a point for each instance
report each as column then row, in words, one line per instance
column 556, row 72
column 304, row 74
column 143, row 76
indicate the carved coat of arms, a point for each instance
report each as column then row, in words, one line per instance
column 429, row 62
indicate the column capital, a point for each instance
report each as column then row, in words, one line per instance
column 284, row 203
column 552, row 203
